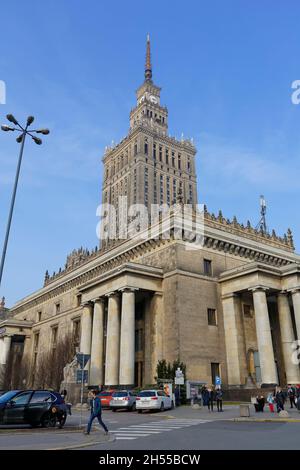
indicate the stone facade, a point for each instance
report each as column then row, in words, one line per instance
column 230, row 307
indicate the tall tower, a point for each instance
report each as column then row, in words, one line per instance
column 149, row 166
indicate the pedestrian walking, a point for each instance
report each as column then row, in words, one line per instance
column 219, row 398
column 96, row 412
column 90, row 399
column 279, row 398
column 270, row 400
column 291, row 392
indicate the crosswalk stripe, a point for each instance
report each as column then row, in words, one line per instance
column 134, row 431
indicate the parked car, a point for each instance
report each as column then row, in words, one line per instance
column 123, row 399
column 35, row 407
column 106, row 397
column 153, row 400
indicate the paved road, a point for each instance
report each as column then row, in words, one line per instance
column 187, row 429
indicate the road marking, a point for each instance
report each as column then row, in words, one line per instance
column 134, row 431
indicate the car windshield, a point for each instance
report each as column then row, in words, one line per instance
column 147, row 394
column 7, row 396
column 105, row 394
column 120, row 394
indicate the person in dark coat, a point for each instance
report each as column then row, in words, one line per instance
column 205, row 397
column 291, row 392
column 279, row 398
column 96, row 412
column 177, row 396
column 219, row 398
column 210, row 399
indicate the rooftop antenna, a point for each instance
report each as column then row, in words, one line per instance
column 262, row 225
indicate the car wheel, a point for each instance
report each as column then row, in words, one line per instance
column 62, row 421
column 48, row 420
column 133, row 408
column 162, row 407
column 114, row 410
column 140, row 411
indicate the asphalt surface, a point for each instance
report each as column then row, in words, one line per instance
column 183, row 428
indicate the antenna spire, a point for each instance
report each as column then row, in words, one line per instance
column 262, row 224
column 148, row 66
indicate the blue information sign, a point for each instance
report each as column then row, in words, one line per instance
column 81, row 376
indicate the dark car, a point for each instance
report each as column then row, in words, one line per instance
column 35, row 407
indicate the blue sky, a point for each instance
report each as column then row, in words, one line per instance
column 225, row 69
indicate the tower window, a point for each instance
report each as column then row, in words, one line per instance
column 154, row 151
column 173, row 159
column 146, row 147
column 179, row 161
column 207, row 267
column 160, row 153
column 167, row 157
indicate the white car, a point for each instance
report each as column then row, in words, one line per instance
column 153, row 400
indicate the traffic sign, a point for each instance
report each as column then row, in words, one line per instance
column 179, row 380
column 82, row 376
column 82, row 359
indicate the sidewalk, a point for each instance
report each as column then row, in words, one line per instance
column 232, row 413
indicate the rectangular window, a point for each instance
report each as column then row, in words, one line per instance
column 154, row 151
column 36, row 339
column 146, row 147
column 39, row 316
column 57, row 308
column 212, row 316
column 78, row 300
column 167, row 157
column 54, row 336
column 207, row 267
column 76, row 332
column 160, row 153
column 247, row 310
column 215, row 371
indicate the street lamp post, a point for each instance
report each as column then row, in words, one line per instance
column 23, row 132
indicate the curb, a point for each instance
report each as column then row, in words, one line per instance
column 111, row 438
column 267, row 420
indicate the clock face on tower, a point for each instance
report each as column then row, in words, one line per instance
column 153, row 99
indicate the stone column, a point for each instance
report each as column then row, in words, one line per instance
column 157, row 348
column 287, row 337
column 127, row 343
column 112, row 341
column 86, row 328
column 96, row 366
column 264, row 338
column 296, row 304
column 230, row 304
column 6, row 348
column 1, row 350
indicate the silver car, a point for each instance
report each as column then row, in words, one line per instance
column 123, row 399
